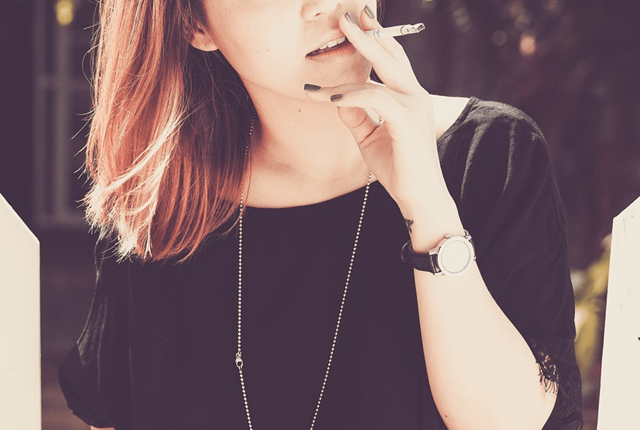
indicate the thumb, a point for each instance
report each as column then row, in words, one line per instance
column 359, row 122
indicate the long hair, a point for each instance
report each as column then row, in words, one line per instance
column 166, row 148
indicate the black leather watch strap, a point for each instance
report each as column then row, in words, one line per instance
column 424, row 262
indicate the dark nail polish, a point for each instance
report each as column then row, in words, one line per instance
column 336, row 97
column 311, row 87
column 348, row 16
column 369, row 12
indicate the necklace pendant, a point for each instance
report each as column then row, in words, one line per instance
column 239, row 362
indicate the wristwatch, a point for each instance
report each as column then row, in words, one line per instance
column 452, row 257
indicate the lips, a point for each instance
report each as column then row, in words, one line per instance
column 329, row 46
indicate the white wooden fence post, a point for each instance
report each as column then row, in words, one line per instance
column 19, row 324
column 620, row 382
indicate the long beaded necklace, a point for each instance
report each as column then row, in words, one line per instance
column 239, row 362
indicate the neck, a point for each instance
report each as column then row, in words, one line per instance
column 301, row 153
column 305, row 140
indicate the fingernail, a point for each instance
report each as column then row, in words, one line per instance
column 336, row 97
column 348, row 17
column 369, row 12
column 311, row 87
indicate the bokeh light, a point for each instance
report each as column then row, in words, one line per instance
column 65, row 11
column 528, row 44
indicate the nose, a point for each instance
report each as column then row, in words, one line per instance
column 314, row 9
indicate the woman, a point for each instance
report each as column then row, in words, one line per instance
column 244, row 184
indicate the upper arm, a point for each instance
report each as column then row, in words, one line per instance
column 508, row 200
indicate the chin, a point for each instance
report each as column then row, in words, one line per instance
column 359, row 73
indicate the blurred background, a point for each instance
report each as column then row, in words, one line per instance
column 572, row 65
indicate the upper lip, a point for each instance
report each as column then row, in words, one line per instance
column 332, row 38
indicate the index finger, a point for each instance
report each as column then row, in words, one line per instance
column 368, row 21
column 394, row 74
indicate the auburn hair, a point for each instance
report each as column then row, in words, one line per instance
column 169, row 128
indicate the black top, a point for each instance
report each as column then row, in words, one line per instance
column 159, row 345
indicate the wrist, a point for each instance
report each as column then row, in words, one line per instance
column 429, row 225
column 452, row 256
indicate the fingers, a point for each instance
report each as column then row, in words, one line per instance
column 368, row 21
column 359, row 122
column 383, row 58
column 387, row 103
column 362, row 105
column 383, row 103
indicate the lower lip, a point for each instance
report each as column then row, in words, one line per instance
column 346, row 50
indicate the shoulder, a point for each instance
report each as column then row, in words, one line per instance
column 491, row 134
column 494, row 152
column 481, row 119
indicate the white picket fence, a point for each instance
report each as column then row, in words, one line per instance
column 19, row 323
column 619, row 407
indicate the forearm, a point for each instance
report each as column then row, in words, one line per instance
column 481, row 371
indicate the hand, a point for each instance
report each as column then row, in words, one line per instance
column 402, row 151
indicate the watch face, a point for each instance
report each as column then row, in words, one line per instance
column 455, row 256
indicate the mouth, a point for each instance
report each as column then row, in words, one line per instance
column 331, row 46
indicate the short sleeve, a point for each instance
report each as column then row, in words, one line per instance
column 498, row 170
column 94, row 376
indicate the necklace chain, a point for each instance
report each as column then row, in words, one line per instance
column 239, row 361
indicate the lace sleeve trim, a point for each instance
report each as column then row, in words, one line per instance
column 560, row 374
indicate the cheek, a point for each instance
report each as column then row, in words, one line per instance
column 254, row 41
column 260, row 59
column 262, row 56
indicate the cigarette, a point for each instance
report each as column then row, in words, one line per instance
column 398, row 30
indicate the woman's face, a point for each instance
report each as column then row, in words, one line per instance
column 268, row 42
